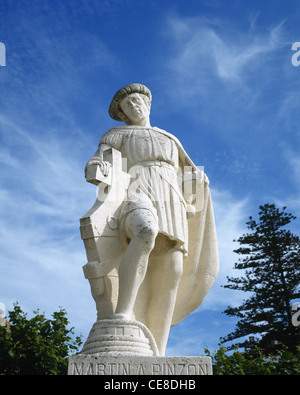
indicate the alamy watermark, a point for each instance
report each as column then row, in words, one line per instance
column 2, row 314
column 187, row 184
column 296, row 56
column 2, row 54
column 296, row 316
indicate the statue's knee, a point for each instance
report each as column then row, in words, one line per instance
column 142, row 226
column 177, row 271
column 147, row 233
column 174, row 267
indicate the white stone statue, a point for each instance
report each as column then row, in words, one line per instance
column 150, row 237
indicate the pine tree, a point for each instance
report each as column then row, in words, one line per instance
column 272, row 275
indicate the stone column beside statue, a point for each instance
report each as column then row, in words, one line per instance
column 150, row 240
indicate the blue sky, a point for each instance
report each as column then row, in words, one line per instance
column 222, row 81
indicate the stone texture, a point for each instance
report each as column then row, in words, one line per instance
column 139, row 365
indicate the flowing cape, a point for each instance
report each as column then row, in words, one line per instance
column 201, row 266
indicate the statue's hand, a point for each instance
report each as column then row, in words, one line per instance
column 103, row 164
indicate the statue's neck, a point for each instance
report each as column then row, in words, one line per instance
column 143, row 122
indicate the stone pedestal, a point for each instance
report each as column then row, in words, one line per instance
column 138, row 365
column 126, row 347
column 117, row 337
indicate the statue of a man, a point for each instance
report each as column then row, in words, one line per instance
column 170, row 257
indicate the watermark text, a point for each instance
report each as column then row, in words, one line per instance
column 2, row 54
column 296, row 316
column 296, row 56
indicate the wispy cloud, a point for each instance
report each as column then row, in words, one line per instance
column 233, row 60
column 215, row 51
column 45, row 140
column 42, row 196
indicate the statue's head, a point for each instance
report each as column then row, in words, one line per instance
column 131, row 105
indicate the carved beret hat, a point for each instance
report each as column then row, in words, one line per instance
column 123, row 92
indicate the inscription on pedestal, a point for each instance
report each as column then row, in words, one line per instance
column 121, row 365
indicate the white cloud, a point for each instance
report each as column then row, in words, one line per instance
column 42, row 196
column 211, row 52
column 234, row 60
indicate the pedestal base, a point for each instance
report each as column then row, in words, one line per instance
column 138, row 365
column 118, row 337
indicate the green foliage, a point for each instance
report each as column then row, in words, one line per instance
column 249, row 363
column 36, row 346
column 271, row 275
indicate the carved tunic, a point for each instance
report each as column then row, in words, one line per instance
column 153, row 162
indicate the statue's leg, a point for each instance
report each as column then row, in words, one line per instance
column 165, row 272
column 141, row 228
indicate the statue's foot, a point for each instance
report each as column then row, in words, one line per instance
column 120, row 316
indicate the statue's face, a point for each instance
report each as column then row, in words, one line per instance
column 135, row 108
